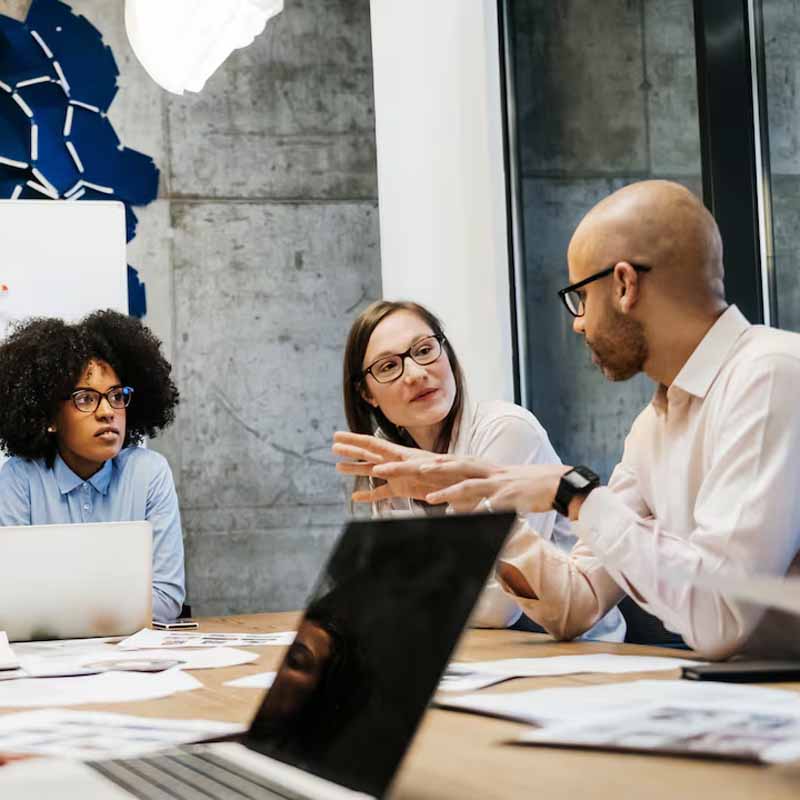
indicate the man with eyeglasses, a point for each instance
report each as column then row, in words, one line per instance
column 709, row 481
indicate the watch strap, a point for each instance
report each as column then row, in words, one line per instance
column 567, row 490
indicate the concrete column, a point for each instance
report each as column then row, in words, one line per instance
column 441, row 175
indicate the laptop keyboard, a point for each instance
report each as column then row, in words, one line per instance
column 185, row 775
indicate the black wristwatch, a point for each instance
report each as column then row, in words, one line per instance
column 578, row 481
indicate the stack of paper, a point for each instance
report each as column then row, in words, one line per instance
column 469, row 676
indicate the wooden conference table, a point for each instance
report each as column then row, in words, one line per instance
column 457, row 755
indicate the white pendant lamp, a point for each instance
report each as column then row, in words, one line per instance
column 181, row 43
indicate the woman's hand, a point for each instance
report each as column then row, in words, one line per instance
column 408, row 471
column 369, row 453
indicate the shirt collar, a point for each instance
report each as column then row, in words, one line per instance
column 703, row 366
column 68, row 481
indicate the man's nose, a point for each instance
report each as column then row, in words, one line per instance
column 578, row 324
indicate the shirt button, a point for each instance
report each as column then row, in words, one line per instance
column 87, row 508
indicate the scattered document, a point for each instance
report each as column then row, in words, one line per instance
column 62, row 658
column 107, row 687
column 575, row 703
column 102, row 659
column 7, row 658
column 91, row 735
column 468, row 681
column 690, row 730
column 63, row 645
column 261, row 680
column 470, row 676
column 147, row 638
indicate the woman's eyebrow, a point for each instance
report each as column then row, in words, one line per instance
column 92, row 389
column 395, row 352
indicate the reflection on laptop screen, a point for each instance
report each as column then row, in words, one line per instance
column 378, row 632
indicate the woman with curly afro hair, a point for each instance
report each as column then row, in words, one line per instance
column 75, row 401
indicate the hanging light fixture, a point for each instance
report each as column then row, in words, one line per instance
column 181, row 43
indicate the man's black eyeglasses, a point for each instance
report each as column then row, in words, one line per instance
column 389, row 368
column 572, row 297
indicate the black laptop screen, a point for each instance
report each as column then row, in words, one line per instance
column 377, row 634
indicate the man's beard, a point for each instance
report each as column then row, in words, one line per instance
column 622, row 351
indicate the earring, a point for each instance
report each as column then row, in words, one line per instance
column 51, row 428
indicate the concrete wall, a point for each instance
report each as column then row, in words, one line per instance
column 261, row 247
column 606, row 95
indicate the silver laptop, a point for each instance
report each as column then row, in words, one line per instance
column 75, row 581
column 377, row 634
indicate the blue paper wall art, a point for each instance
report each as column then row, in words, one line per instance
column 57, row 81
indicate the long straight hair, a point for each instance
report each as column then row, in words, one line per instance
column 364, row 418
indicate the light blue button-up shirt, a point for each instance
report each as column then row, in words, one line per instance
column 136, row 485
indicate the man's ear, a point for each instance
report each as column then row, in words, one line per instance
column 626, row 286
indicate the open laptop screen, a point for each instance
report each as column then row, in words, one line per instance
column 377, row 634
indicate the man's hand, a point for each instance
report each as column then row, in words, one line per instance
column 522, row 489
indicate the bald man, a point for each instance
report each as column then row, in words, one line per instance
column 709, row 480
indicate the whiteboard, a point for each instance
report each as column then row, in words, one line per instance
column 61, row 258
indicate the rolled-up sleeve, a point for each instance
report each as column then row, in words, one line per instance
column 570, row 592
column 168, row 571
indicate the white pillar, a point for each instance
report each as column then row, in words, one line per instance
column 441, row 175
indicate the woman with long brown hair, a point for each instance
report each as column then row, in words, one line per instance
column 403, row 385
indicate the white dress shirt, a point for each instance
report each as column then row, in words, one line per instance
column 709, row 481
column 506, row 434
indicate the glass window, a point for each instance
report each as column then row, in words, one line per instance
column 605, row 95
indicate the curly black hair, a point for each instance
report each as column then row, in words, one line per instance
column 42, row 360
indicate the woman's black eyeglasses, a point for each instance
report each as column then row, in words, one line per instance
column 389, row 368
column 572, row 297
column 88, row 400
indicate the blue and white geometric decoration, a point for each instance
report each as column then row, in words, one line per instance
column 57, row 81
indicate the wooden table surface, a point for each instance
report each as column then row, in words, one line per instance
column 458, row 755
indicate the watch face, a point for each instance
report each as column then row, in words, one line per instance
column 577, row 480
